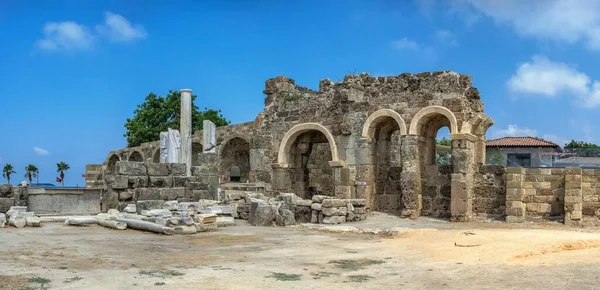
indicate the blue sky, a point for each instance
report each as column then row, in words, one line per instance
column 71, row 72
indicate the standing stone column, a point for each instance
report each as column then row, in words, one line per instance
column 573, row 196
column 463, row 161
column 515, row 194
column 185, row 128
column 410, row 178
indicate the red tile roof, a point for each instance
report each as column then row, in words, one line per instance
column 520, row 142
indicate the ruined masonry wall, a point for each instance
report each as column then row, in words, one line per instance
column 436, row 190
column 490, row 191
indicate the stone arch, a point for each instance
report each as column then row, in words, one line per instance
column 136, row 156
column 197, row 149
column 426, row 113
column 235, row 152
column 112, row 162
column 377, row 117
column 284, row 158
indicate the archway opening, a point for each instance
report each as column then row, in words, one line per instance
column 235, row 174
column 387, row 165
column 112, row 162
column 196, row 151
column 310, row 171
column 435, row 152
column 136, row 157
column 235, row 153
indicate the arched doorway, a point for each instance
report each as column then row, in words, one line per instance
column 136, row 156
column 235, row 153
column 156, row 156
column 112, row 162
column 307, row 151
column 384, row 130
column 435, row 162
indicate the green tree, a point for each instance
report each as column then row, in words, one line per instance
column 7, row 171
column 583, row 149
column 61, row 168
column 444, row 141
column 30, row 172
column 156, row 114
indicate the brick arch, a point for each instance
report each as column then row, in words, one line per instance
column 373, row 120
column 283, row 156
column 156, row 155
column 229, row 138
column 424, row 114
column 111, row 161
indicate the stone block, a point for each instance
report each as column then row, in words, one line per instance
column 576, row 215
column 116, row 181
column 532, row 207
column 194, row 185
column 320, row 198
column 161, row 181
column 130, row 168
column 177, row 169
column 6, row 204
column 332, row 220
column 148, row 205
column 357, row 202
column 514, row 219
column 134, row 182
column 147, row 194
column 314, row 217
column 544, row 208
column 157, row 169
column 303, row 202
column 285, row 217
column 263, row 214
column 6, row 190
column 201, row 194
column 334, row 203
column 184, row 181
column 172, row 193
column 335, row 211
column 125, row 195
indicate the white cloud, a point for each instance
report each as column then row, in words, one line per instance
column 568, row 21
column 405, row 43
column 542, row 76
column 66, row 35
column 513, row 131
column 40, row 151
column 446, row 37
column 559, row 140
column 118, row 29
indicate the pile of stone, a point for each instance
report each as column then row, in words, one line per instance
column 240, row 202
column 171, row 217
column 19, row 217
column 328, row 210
column 289, row 209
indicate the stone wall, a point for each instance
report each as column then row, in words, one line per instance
column 364, row 137
column 93, row 176
column 135, row 181
column 64, row 201
column 436, row 191
column 489, row 198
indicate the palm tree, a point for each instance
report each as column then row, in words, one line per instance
column 7, row 171
column 30, row 172
column 61, row 168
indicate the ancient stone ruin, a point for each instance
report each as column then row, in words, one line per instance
column 366, row 142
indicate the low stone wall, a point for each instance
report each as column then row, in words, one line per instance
column 64, row 201
column 134, row 181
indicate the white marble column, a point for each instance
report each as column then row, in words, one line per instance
column 185, row 128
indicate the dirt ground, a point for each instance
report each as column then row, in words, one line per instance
column 426, row 254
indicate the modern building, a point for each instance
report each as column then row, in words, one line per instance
column 522, row 152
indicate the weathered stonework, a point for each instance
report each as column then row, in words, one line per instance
column 365, row 137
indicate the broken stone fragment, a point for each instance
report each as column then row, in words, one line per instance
column 2, row 220
column 148, row 204
column 33, row 221
column 314, row 217
column 185, row 229
column 285, row 218
column 319, row 198
column 113, row 212
column 171, row 205
column 206, row 227
column 303, row 202
column 158, row 213
column 263, row 214
column 224, row 221
column 17, row 221
column 334, row 203
column 316, row 206
column 334, row 220
column 335, row 211
column 130, row 208
column 15, row 210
